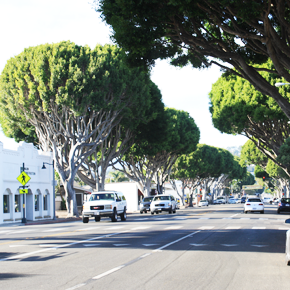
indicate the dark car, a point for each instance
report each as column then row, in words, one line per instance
column 284, row 205
column 145, row 204
column 243, row 199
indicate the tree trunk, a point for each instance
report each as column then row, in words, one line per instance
column 147, row 187
column 71, row 204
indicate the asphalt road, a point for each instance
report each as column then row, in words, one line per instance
column 217, row 247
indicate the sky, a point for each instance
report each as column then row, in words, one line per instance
column 26, row 23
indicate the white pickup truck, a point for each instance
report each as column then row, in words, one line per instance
column 105, row 204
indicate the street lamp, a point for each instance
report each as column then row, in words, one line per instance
column 43, row 167
column 281, row 84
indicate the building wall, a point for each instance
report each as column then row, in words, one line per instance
column 39, row 200
column 130, row 190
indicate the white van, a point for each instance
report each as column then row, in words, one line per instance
column 105, row 204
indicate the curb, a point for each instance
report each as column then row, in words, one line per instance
column 60, row 220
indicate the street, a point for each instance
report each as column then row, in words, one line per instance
column 215, row 247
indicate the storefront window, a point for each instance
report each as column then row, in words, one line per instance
column 36, row 202
column 45, row 202
column 17, row 203
column 6, row 205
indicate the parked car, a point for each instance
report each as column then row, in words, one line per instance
column 163, row 202
column 276, row 200
column 243, row 199
column 238, row 200
column 145, row 204
column 203, row 203
column 232, row 201
column 268, row 200
column 222, row 199
column 284, row 205
column 217, row 201
column 254, row 204
column 105, row 204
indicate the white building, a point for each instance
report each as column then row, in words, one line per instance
column 131, row 191
column 39, row 200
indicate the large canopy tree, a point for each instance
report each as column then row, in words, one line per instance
column 73, row 97
column 156, row 148
column 228, row 33
column 238, row 108
column 121, row 138
column 205, row 166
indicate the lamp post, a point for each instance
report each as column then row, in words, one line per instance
column 53, row 180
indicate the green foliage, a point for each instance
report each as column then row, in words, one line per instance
column 207, row 161
column 284, row 153
column 235, row 103
column 151, row 29
column 172, row 131
column 69, row 76
column 250, row 154
column 117, row 176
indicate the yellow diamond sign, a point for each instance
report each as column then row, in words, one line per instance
column 23, row 178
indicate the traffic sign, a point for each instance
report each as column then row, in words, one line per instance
column 23, row 178
column 23, row 191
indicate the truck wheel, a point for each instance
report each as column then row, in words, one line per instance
column 85, row 220
column 114, row 216
column 124, row 215
column 97, row 218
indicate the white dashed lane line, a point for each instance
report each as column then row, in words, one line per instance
column 206, row 228
column 131, row 262
column 173, row 227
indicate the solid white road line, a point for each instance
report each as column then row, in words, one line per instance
column 15, row 246
column 76, row 287
column 284, row 229
column 258, row 228
column 108, row 272
column 176, row 241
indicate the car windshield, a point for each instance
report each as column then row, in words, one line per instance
column 285, row 200
column 102, row 196
column 254, row 200
column 156, row 198
column 220, row 198
column 203, row 201
column 147, row 199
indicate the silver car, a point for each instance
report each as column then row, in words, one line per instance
column 145, row 204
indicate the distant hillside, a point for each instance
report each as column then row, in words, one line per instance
column 235, row 150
